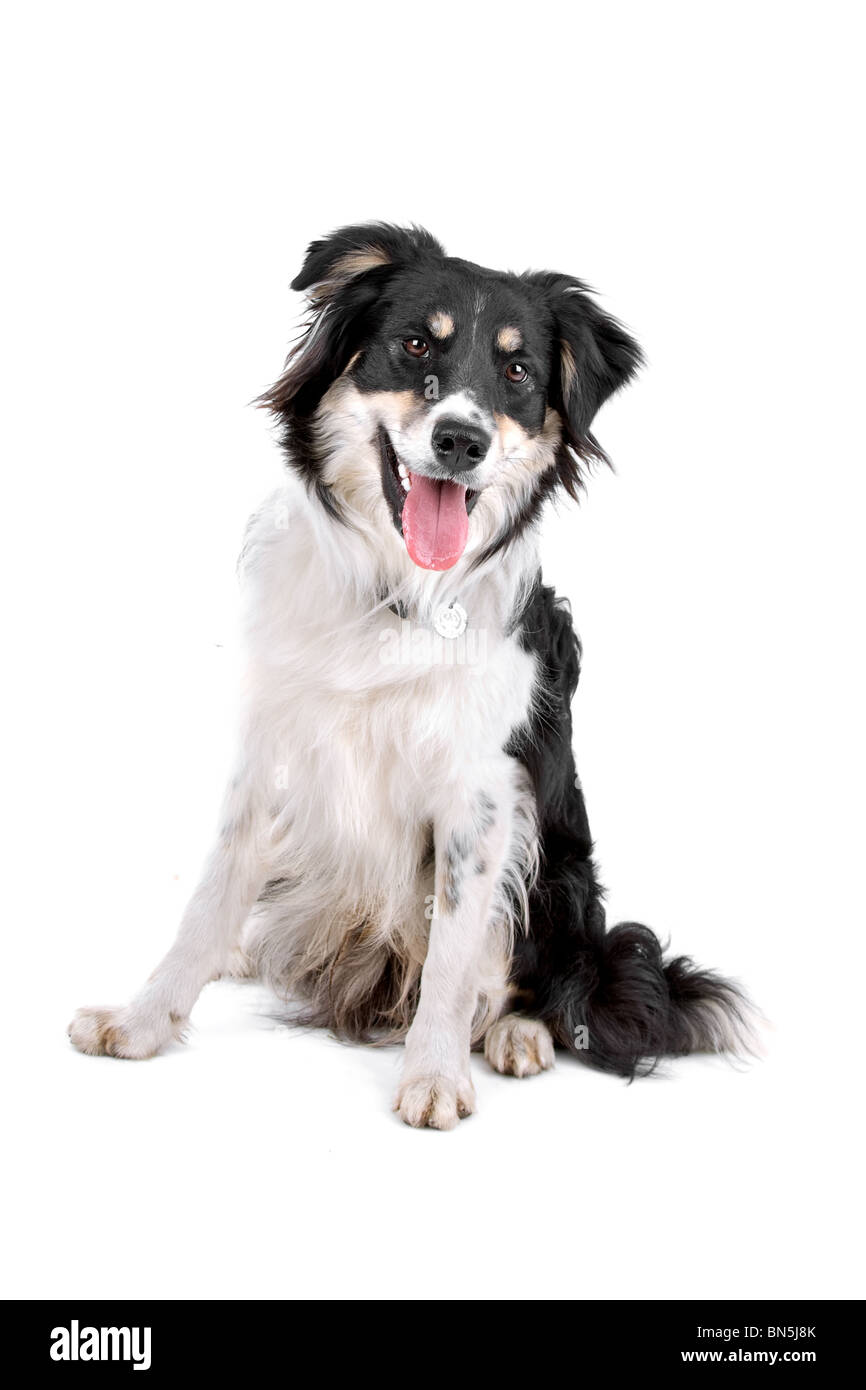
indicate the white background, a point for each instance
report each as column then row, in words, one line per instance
column 165, row 167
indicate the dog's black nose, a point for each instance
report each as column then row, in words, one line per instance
column 458, row 445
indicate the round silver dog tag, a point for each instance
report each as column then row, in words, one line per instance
column 450, row 620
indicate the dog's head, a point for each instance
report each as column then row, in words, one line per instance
column 438, row 399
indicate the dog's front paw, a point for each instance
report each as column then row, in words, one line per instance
column 121, row 1033
column 436, row 1102
column 519, row 1046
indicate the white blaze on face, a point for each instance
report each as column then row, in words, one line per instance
column 414, row 444
column 435, row 518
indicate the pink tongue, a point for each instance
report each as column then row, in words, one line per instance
column 435, row 522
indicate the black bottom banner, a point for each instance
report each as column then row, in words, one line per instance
column 160, row 1339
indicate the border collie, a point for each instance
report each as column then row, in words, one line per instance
column 404, row 849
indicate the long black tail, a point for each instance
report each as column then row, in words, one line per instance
column 610, row 996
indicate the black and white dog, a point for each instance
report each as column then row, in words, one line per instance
column 404, row 846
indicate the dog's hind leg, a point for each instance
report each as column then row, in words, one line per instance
column 208, row 935
column 518, row 1046
column 239, row 965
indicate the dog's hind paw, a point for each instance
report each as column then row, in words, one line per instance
column 238, row 966
column 434, row 1102
column 519, row 1046
column 120, row 1033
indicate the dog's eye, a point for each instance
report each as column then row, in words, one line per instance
column 416, row 347
column 516, row 372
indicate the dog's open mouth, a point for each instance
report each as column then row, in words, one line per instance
column 431, row 513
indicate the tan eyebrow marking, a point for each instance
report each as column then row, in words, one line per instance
column 509, row 339
column 441, row 324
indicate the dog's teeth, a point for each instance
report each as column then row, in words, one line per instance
column 402, row 470
column 406, row 484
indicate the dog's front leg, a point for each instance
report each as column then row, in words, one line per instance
column 233, row 877
column 471, row 844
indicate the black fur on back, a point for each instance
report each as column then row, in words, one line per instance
column 568, row 970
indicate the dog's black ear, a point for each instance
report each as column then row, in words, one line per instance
column 343, row 275
column 352, row 252
column 595, row 357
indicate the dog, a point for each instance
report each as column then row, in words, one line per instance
column 404, row 849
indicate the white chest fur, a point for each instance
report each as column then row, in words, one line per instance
column 363, row 718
